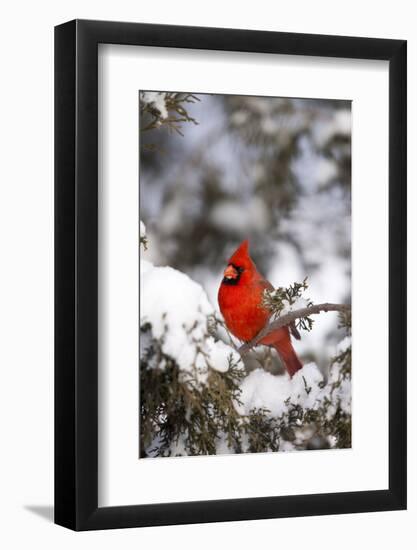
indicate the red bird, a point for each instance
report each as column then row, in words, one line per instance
column 240, row 300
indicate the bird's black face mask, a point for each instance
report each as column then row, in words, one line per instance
column 232, row 274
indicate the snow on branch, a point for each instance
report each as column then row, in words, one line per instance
column 167, row 109
column 290, row 317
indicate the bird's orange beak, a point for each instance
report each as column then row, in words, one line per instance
column 230, row 272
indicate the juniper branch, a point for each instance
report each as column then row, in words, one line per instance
column 289, row 318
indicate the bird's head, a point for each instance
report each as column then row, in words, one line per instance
column 239, row 263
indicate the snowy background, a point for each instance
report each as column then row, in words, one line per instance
column 276, row 171
column 227, row 168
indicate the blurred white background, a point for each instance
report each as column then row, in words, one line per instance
column 27, row 276
column 274, row 170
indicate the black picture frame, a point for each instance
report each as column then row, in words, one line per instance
column 76, row 271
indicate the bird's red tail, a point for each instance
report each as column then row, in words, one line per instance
column 289, row 358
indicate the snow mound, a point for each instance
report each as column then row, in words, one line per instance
column 261, row 389
column 178, row 309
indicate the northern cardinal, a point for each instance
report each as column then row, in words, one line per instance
column 240, row 300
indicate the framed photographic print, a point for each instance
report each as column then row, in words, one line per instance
column 230, row 252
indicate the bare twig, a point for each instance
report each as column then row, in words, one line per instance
column 289, row 318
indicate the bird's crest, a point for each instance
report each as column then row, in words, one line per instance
column 241, row 256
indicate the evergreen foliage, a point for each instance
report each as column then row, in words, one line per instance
column 281, row 298
column 181, row 416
